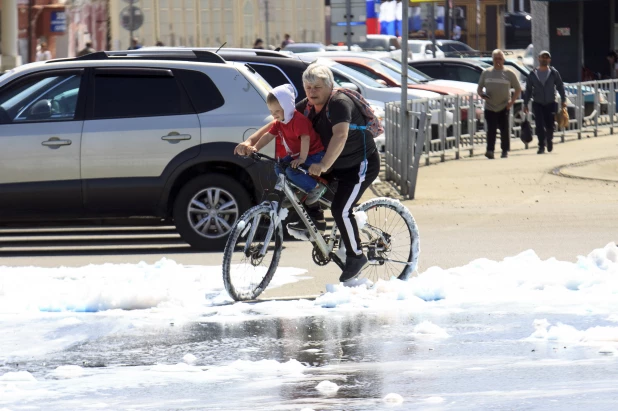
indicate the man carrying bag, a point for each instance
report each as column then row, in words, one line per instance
column 541, row 86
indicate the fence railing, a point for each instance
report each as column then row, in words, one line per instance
column 446, row 126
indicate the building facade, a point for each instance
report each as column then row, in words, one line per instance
column 578, row 33
column 210, row 23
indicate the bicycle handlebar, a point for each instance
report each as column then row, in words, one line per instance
column 285, row 164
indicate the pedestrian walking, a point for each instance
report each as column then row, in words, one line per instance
column 259, row 44
column 541, row 86
column 43, row 54
column 86, row 50
column 286, row 40
column 495, row 87
column 135, row 44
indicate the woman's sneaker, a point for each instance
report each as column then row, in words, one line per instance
column 353, row 267
column 315, row 194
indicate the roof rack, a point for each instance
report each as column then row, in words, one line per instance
column 471, row 54
column 202, row 56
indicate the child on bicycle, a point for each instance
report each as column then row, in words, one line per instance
column 296, row 138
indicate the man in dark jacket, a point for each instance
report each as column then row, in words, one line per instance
column 541, row 85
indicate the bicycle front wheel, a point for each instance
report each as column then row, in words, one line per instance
column 390, row 238
column 249, row 265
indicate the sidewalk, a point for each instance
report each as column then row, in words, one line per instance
column 478, row 208
column 560, row 204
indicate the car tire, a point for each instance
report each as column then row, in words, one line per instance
column 209, row 230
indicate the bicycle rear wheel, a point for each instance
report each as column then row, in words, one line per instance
column 247, row 267
column 390, row 238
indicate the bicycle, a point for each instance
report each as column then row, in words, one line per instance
column 258, row 233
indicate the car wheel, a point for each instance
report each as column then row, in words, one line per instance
column 206, row 208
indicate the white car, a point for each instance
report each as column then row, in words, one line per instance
column 423, row 49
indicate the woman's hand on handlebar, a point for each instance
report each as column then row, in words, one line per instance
column 316, row 169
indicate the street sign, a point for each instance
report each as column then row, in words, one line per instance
column 58, row 22
column 338, row 12
column 339, row 21
column 339, row 34
column 131, row 18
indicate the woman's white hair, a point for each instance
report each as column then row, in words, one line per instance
column 497, row 52
column 317, row 71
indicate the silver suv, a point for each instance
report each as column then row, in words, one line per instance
column 110, row 135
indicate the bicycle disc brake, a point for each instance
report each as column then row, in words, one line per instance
column 378, row 248
column 254, row 254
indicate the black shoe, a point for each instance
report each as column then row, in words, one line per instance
column 489, row 155
column 353, row 266
column 550, row 145
column 505, row 154
column 541, row 150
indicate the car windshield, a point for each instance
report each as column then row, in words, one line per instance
column 390, row 71
column 366, row 80
column 413, row 73
column 415, row 47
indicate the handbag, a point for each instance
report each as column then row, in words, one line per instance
column 562, row 118
column 526, row 132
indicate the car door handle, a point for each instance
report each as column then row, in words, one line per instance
column 55, row 142
column 175, row 136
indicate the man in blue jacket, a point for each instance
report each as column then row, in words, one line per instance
column 541, row 85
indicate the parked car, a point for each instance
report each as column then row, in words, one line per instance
column 110, row 135
column 424, row 49
column 383, row 43
column 414, row 76
column 304, row 47
column 456, row 69
column 383, row 73
column 279, row 68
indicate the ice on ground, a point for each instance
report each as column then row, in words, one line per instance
column 327, row 387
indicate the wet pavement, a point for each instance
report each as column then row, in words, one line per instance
column 483, row 363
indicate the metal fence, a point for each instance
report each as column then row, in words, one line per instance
column 449, row 125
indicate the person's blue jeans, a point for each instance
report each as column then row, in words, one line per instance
column 302, row 180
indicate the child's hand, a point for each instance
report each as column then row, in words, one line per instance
column 297, row 162
column 251, row 150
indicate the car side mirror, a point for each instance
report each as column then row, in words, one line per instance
column 381, row 82
column 349, row 86
column 429, row 52
column 40, row 110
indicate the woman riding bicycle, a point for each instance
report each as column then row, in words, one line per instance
column 351, row 159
